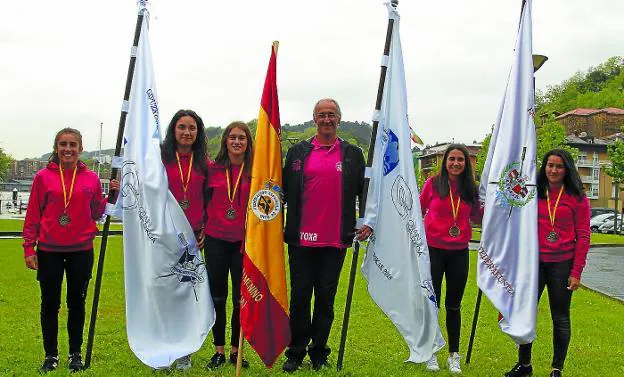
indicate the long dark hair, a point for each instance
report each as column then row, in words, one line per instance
column 571, row 181
column 223, row 158
column 67, row 130
column 465, row 182
column 200, row 150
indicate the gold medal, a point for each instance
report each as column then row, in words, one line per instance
column 552, row 236
column 230, row 214
column 185, row 203
column 454, row 230
column 552, row 214
column 64, row 220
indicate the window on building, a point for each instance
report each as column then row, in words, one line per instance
column 582, row 157
column 595, row 174
column 594, row 191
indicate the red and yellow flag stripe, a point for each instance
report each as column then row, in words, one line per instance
column 264, row 300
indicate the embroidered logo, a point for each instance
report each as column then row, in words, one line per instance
column 391, row 154
column 338, row 166
column 189, row 268
column 514, row 189
column 266, row 203
column 296, row 165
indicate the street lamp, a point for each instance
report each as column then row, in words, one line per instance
column 538, row 61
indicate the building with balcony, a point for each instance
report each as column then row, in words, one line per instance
column 591, row 163
column 594, row 122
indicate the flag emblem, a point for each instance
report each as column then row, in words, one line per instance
column 265, row 203
column 391, row 154
column 514, row 190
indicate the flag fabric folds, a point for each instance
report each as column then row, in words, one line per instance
column 169, row 310
column 507, row 263
column 264, row 301
column 396, row 264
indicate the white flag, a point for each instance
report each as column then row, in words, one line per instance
column 507, row 264
column 169, row 310
column 396, row 264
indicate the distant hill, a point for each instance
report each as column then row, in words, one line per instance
column 360, row 132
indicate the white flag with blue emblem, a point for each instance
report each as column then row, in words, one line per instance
column 396, row 264
column 169, row 310
column 507, row 263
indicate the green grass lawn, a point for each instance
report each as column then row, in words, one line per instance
column 374, row 347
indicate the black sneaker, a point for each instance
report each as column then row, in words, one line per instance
column 75, row 362
column 234, row 357
column 319, row 364
column 520, row 370
column 216, row 361
column 49, row 364
column 291, row 365
column 555, row 373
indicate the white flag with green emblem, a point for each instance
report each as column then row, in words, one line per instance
column 507, row 263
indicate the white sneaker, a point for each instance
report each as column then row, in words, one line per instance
column 432, row 364
column 184, row 363
column 453, row 363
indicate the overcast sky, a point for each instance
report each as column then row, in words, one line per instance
column 64, row 63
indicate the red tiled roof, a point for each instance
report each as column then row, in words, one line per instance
column 586, row 112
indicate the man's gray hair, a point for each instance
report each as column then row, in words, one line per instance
column 328, row 100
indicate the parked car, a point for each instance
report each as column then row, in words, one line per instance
column 23, row 205
column 598, row 220
column 600, row 210
column 607, row 226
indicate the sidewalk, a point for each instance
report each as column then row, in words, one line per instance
column 604, row 271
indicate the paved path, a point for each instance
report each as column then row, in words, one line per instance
column 605, row 271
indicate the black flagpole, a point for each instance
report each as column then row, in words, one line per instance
column 120, row 132
column 478, row 305
column 474, row 326
column 362, row 207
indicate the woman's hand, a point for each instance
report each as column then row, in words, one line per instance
column 32, row 262
column 113, row 187
column 363, row 233
column 573, row 283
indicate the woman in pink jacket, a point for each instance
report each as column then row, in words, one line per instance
column 65, row 200
column 449, row 202
column 563, row 234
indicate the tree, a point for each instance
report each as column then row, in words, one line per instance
column 5, row 160
column 482, row 156
column 549, row 136
column 615, row 152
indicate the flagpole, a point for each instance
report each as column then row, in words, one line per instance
column 239, row 359
column 362, row 203
column 474, row 326
column 120, row 132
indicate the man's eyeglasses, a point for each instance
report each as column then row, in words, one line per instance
column 331, row 116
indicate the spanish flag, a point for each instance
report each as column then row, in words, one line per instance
column 264, row 302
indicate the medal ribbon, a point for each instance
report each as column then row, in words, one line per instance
column 188, row 175
column 66, row 199
column 454, row 207
column 232, row 195
column 553, row 213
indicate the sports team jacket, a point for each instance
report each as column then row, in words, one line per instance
column 352, row 184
